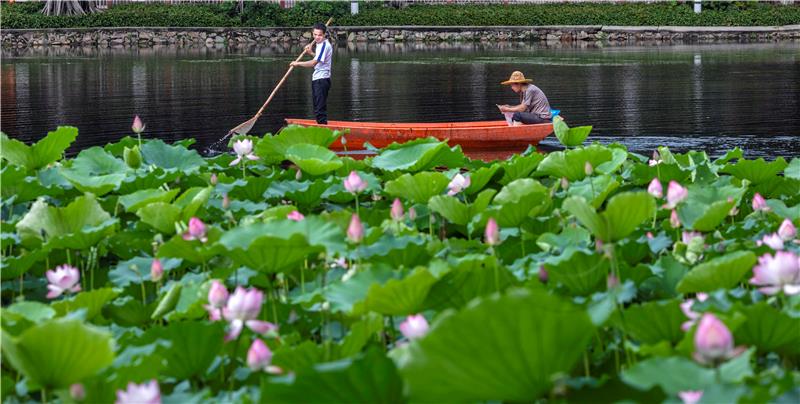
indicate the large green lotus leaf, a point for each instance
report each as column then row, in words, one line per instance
column 16, row 183
column 96, row 171
column 573, row 236
column 192, row 200
column 521, row 190
column 403, row 251
column 675, row 374
column 132, row 202
column 13, row 266
column 58, row 353
column 533, row 336
column 258, row 247
column 361, row 333
column 35, row 312
column 570, row 136
column 580, row 272
column 793, row 169
column 336, row 191
column 418, row 155
column 417, row 188
column 161, row 215
column 369, row 378
column 723, row 272
column 468, row 277
column 187, row 300
column 778, row 187
column 192, row 250
column 706, row 207
column 618, row 157
column 451, row 208
column 137, row 270
column 642, row 174
column 42, row 153
column 400, row 297
column 272, row 149
column 755, row 171
column 769, row 329
column 624, row 213
column 171, row 158
column 780, row 209
column 251, row 189
column 191, row 346
column 480, row 177
column 301, row 356
column 652, row 322
column 143, row 179
column 595, row 189
column 313, row 159
column 519, row 167
column 128, row 311
column 305, row 193
column 93, row 301
column 79, row 225
column 348, row 295
column 571, row 163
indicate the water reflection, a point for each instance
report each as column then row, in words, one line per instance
column 745, row 95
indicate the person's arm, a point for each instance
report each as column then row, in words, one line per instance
column 308, row 63
column 513, row 108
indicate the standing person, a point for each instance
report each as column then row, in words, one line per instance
column 533, row 107
column 321, row 79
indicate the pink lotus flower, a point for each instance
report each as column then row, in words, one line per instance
column 688, row 236
column 543, row 275
column 354, row 184
column 242, row 309
column 213, row 180
column 691, row 396
column 137, row 126
column 226, row 201
column 355, row 231
column 243, row 149
column 656, row 160
column 145, row 393
column 781, row 272
column 713, row 342
column 412, row 214
column 63, row 280
column 458, row 184
column 612, row 281
column 655, row 188
column 759, row 204
column 649, row 235
column 196, row 230
column 217, row 297
column 492, row 233
column 686, row 308
column 77, row 392
column 674, row 220
column 259, row 357
column 415, row 326
column 675, row 194
column 787, row 231
column 156, row 270
column 397, row 210
column 295, row 215
column 773, row 240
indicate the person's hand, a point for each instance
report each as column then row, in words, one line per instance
column 293, row 64
column 307, row 49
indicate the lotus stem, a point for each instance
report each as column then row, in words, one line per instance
column 586, row 364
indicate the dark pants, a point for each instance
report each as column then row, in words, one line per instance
column 528, row 118
column 319, row 91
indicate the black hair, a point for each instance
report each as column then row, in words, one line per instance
column 320, row 26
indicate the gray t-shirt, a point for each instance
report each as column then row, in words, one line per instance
column 323, row 53
column 536, row 102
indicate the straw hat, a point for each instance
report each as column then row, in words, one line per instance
column 517, row 78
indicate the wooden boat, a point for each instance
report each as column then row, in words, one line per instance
column 470, row 135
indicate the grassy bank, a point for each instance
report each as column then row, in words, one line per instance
column 27, row 15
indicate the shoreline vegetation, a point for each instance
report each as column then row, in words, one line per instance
column 745, row 14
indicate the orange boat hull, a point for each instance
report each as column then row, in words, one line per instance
column 470, row 135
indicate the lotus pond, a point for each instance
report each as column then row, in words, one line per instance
column 143, row 272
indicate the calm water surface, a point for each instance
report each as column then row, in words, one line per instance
column 702, row 97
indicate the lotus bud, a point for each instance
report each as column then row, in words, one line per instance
column 137, row 126
column 649, row 235
column 778, row 272
column 295, row 215
column 77, row 392
column 564, row 183
column 787, row 231
column 132, row 156
column 156, row 270
column 612, row 281
column 713, row 342
column 458, row 184
column 298, row 175
column 397, row 210
column 226, row 201
column 691, row 396
column 588, row 169
column 145, row 393
column 675, row 194
column 214, row 179
column 259, row 356
column 674, row 220
column 354, row 184
column 412, row 214
column 196, row 230
column 64, row 279
column 344, row 140
column 355, row 231
column 759, row 203
column 218, row 294
column 655, row 188
column 414, row 327
column 543, row 275
column 492, row 233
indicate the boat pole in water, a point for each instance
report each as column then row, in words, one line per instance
column 245, row 127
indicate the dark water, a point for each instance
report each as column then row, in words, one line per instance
column 702, row 97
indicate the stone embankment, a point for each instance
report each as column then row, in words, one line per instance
column 146, row 37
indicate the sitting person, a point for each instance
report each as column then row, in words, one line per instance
column 533, row 108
